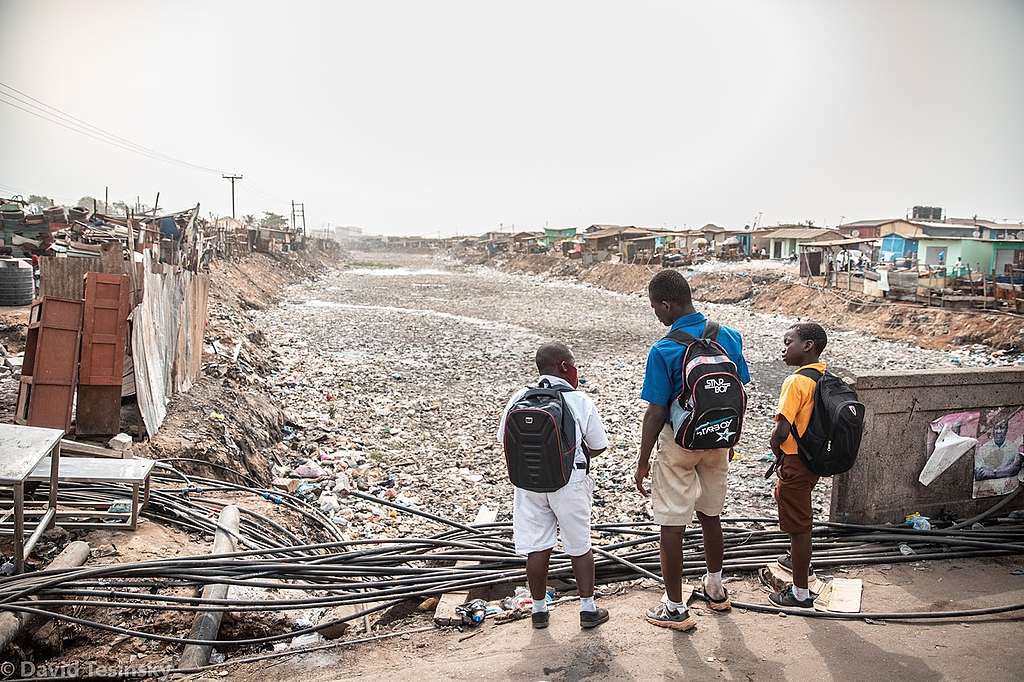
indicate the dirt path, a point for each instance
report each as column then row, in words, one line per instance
column 737, row 646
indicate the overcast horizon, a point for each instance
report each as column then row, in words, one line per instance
column 457, row 117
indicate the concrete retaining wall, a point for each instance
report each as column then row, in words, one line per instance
column 883, row 487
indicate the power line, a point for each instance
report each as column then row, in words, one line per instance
column 28, row 104
column 68, row 122
column 26, row 99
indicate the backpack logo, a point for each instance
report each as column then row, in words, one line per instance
column 717, row 385
column 718, row 428
column 528, row 420
column 853, row 410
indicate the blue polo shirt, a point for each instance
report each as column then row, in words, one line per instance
column 663, row 378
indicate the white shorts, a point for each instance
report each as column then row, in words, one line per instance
column 536, row 517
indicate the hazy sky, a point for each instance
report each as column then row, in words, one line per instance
column 419, row 117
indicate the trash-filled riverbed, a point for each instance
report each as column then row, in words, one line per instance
column 393, row 374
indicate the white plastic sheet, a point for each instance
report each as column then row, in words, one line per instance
column 949, row 447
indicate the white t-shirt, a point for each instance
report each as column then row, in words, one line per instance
column 589, row 429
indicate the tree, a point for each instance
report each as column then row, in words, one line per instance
column 120, row 207
column 273, row 221
column 249, row 220
column 40, row 201
column 89, row 202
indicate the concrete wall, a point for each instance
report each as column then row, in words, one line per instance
column 883, row 486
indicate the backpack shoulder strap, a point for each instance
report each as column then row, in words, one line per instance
column 680, row 337
column 811, row 373
column 711, row 330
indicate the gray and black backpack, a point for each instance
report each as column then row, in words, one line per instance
column 540, row 439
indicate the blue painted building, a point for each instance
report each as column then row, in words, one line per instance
column 897, row 246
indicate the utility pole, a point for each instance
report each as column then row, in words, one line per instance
column 232, row 178
column 298, row 212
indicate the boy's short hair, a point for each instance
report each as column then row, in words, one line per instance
column 670, row 285
column 811, row 331
column 549, row 355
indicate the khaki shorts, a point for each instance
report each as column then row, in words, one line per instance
column 686, row 480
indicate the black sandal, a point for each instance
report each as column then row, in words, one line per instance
column 723, row 604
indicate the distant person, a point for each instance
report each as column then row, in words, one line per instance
column 802, row 346
column 682, row 481
column 537, row 517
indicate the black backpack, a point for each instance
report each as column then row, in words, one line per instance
column 540, row 439
column 829, row 445
column 713, row 401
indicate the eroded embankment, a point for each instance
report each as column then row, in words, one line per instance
column 775, row 292
column 228, row 421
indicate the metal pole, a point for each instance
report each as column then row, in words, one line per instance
column 232, row 178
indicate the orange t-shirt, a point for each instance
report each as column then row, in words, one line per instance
column 796, row 402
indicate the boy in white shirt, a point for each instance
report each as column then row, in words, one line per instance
column 536, row 517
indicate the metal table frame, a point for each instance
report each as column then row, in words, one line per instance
column 21, row 449
column 135, row 473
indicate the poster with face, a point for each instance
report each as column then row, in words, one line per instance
column 999, row 454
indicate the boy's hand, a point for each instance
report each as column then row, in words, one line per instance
column 643, row 469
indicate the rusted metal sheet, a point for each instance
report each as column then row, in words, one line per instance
column 104, row 338
column 47, row 387
column 167, row 336
column 65, row 277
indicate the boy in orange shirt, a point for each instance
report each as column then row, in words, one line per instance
column 803, row 344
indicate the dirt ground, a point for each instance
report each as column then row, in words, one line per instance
column 736, row 646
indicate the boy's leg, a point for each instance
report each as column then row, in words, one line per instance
column 534, row 533
column 714, row 542
column 793, row 494
column 674, row 488
column 714, row 556
column 713, row 473
column 800, row 549
column 537, row 574
column 583, row 571
column 672, row 562
column 572, row 506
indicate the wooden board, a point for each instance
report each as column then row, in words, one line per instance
column 22, row 448
column 50, row 370
column 445, row 614
column 70, row 447
column 104, row 339
column 845, row 595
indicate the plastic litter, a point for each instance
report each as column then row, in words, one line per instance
column 906, row 550
column 473, row 613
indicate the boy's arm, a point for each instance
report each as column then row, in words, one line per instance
column 657, row 392
column 654, row 422
column 779, row 435
column 595, row 440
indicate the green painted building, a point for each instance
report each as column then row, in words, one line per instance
column 557, row 234
column 984, row 255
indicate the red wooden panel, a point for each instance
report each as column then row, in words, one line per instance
column 47, row 388
column 104, row 335
column 105, row 329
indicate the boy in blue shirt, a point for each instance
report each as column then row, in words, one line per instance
column 682, row 481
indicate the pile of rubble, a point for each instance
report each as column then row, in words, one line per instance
column 393, row 382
